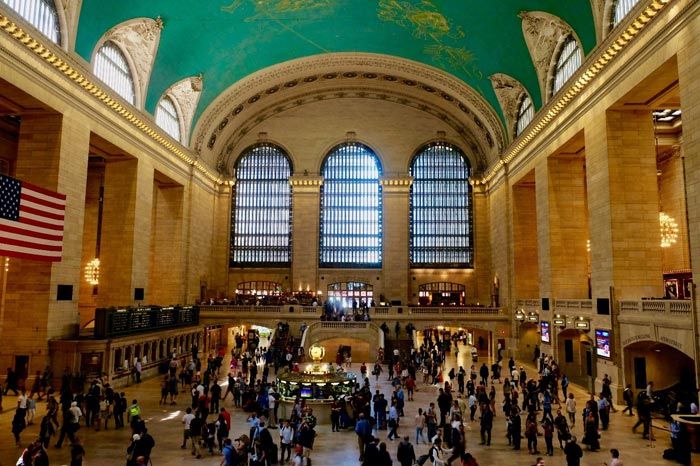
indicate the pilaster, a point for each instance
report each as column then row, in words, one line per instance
column 395, row 258
column 306, row 205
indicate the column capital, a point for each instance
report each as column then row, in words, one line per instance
column 396, row 183
column 306, row 183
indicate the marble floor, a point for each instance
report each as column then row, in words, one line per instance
column 108, row 447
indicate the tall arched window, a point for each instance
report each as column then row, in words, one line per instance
column 39, row 13
column 441, row 208
column 262, row 209
column 167, row 117
column 351, row 208
column 568, row 62
column 621, row 8
column 525, row 113
column 113, row 69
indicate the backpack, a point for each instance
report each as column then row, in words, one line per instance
column 422, row 459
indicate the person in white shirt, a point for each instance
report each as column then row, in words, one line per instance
column 186, row 419
column 616, row 461
column 571, row 409
column 286, row 438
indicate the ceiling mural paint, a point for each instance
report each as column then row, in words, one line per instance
column 227, row 40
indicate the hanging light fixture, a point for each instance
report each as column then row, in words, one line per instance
column 669, row 230
column 92, row 272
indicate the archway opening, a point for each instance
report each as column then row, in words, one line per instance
column 671, row 370
column 528, row 338
column 576, row 356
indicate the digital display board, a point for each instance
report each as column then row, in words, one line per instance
column 544, row 330
column 602, row 343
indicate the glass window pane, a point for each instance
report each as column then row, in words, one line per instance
column 622, row 9
column 167, row 117
column 39, row 13
column 568, row 62
column 113, row 69
column 261, row 209
column 351, row 208
column 526, row 112
column 440, row 217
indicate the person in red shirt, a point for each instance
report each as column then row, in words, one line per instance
column 410, row 386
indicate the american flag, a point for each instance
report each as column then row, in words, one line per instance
column 31, row 221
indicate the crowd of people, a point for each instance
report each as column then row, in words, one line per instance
column 535, row 407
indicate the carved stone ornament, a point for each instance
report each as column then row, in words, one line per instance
column 139, row 38
column 68, row 14
column 599, row 14
column 287, row 75
column 543, row 33
column 186, row 94
column 509, row 93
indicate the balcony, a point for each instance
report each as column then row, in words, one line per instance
column 656, row 310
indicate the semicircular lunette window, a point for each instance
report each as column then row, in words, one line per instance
column 621, row 9
column 526, row 112
column 440, row 208
column 261, row 211
column 113, row 69
column 167, row 117
column 351, row 208
column 569, row 61
column 39, row 13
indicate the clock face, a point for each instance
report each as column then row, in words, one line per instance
column 317, row 352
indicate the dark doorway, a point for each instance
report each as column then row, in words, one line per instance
column 568, row 351
column 640, row 373
column 589, row 363
column 22, row 367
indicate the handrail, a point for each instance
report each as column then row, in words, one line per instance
column 670, row 307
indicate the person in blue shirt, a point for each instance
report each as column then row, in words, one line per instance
column 363, row 429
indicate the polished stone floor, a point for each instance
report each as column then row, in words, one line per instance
column 108, row 448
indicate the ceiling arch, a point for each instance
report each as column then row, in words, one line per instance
column 227, row 40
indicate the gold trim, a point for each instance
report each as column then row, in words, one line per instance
column 43, row 52
column 585, row 78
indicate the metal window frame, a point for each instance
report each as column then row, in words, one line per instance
column 415, row 227
column 42, row 14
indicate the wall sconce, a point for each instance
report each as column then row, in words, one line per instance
column 533, row 317
column 559, row 321
column 582, row 324
column 520, row 315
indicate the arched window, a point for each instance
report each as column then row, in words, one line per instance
column 441, row 209
column 568, row 62
column 39, row 13
column 262, row 209
column 525, row 113
column 351, row 208
column 167, row 117
column 621, row 8
column 113, row 69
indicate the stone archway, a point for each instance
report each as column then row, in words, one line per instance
column 575, row 354
column 666, row 366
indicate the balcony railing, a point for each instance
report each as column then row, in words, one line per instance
column 576, row 305
column 528, row 304
column 656, row 307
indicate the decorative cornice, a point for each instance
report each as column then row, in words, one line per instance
column 83, row 79
column 396, row 183
column 139, row 39
column 592, row 67
column 543, row 34
column 393, row 70
column 306, row 183
column 246, row 126
column 509, row 93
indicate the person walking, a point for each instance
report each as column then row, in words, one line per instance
column 405, row 454
column 615, row 458
column 420, row 425
column 363, row 429
column 196, row 425
column 628, row 397
column 573, row 452
column 286, row 438
column 486, row 425
column 531, row 433
column 571, row 409
column 393, row 421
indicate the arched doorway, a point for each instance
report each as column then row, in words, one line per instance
column 576, row 356
column 669, row 368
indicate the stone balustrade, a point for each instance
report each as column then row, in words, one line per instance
column 578, row 306
column 656, row 307
column 528, row 304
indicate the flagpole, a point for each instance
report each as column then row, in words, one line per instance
column 5, row 264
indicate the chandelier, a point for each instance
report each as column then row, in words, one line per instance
column 669, row 230
column 92, row 272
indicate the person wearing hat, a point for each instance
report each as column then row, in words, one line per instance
column 135, row 450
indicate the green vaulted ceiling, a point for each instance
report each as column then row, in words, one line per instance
column 226, row 40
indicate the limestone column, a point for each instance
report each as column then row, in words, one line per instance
column 623, row 205
column 52, row 154
column 482, row 247
column 166, row 262
column 126, row 232
column 525, row 244
column 306, row 204
column 562, row 228
column 689, row 85
column 395, row 254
